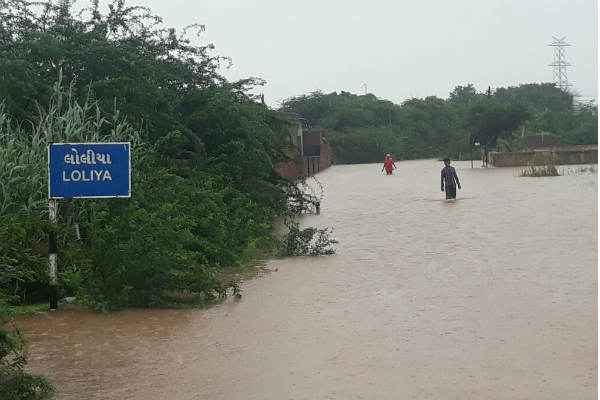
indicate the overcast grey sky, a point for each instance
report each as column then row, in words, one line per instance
column 399, row 48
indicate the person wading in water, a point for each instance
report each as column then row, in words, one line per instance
column 450, row 179
column 388, row 165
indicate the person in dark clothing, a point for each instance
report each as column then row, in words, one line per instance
column 450, row 180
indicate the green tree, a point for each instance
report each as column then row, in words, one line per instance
column 364, row 128
column 490, row 120
column 538, row 97
column 570, row 128
column 464, row 95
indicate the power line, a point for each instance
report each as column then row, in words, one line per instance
column 560, row 63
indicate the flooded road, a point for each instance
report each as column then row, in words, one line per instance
column 493, row 296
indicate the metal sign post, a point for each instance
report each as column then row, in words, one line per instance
column 83, row 171
column 53, row 255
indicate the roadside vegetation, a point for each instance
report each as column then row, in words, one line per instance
column 205, row 192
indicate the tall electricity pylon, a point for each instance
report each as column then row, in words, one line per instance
column 560, row 63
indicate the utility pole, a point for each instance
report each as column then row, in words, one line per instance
column 560, row 63
column 485, row 146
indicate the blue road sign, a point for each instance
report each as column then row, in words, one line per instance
column 89, row 170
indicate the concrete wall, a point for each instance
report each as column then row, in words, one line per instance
column 290, row 169
column 559, row 155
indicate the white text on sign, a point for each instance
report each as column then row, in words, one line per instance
column 86, row 176
column 89, row 157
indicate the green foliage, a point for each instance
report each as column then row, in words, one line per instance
column 537, row 97
column 491, row 119
column 20, row 268
column 183, row 221
column 465, row 95
column 23, row 170
column 578, row 127
column 205, row 194
column 120, row 55
column 137, row 254
column 15, row 383
column 23, row 180
column 304, row 197
column 307, row 242
column 363, row 128
column 365, row 145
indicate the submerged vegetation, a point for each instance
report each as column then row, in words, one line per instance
column 539, row 171
column 551, row 170
column 586, row 169
column 308, row 241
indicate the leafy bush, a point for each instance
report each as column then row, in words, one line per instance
column 166, row 238
column 15, row 383
column 302, row 198
column 20, row 268
column 307, row 242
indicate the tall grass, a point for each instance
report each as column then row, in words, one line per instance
column 23, row 147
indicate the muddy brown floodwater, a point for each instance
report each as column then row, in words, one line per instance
column 493, row 296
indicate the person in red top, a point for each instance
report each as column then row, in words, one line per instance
column 388, row 165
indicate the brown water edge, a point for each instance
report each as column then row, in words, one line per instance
column 491, row 296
